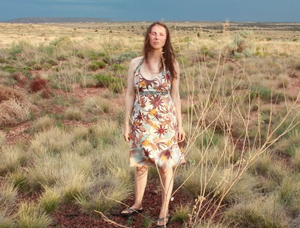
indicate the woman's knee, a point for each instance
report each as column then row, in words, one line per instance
column 141, row 170
column 165, row 172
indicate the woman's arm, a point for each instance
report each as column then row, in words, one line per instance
column 129, row 98
column 176, row 100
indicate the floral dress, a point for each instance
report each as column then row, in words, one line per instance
column 154, row 129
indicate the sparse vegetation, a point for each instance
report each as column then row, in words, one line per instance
column 240, row 99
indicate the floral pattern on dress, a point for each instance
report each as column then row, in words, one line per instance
column 154, row 129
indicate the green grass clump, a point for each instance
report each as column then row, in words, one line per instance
column 96, row 55
column 112, row 83
column 46, row 170
column 271, row 172
column 50, row 199
column 289, row 144
column 181, row 213
column 104, row 194
column 295, row 161
column 288, row 194
column 96, row 65
column 18, row 179
column 11, row 158
column 263, row 213
column 266, row 94
column 6, row 222
column 104, row 134
column 31, row 215
column 8, row 68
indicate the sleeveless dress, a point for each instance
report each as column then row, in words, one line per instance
column 154, row 129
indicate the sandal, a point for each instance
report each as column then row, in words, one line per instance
column 168, row 218
column 131, row 211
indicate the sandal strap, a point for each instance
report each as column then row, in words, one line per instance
column 129, row 210
column 163, row 218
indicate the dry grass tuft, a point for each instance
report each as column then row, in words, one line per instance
column 42, row 124
column 2, row 139
column 14, row 107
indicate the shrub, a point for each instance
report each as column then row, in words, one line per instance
column 242, row 45
column 125, row 56
column 38, row 84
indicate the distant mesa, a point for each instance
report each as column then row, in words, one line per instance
column 56, row 20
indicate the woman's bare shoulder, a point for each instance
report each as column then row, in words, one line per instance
column 134, row 62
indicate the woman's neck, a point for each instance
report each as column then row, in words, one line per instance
column 154, row 56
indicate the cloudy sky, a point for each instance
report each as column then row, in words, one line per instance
column 150, row 10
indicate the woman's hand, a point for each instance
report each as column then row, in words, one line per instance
column 126, row 132
column 181, row 134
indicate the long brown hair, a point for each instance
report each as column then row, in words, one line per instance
column 168, row 52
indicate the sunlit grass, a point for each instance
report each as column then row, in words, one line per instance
column 11, row 158
column 238, row 113
column 31, row 215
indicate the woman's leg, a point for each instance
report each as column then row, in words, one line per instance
column 167, row 180
column 141, row 175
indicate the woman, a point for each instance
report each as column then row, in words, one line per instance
column 152, row 100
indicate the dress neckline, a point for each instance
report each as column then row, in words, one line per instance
column 156, row 77
column 140, row 73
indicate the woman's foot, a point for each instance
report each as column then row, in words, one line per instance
column 163, row 222
column 129, row 211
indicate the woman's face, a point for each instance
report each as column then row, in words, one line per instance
column 158, row 36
